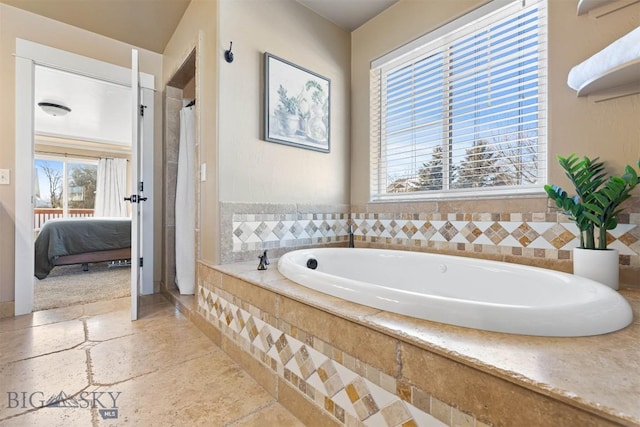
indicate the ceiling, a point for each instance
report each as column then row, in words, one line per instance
column 100, row 111
column 348, row 14
column 149, row 24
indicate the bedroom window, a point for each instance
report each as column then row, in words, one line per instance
column 461, row 111
column 63, row 188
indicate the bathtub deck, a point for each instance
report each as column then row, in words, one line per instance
column 599, row 374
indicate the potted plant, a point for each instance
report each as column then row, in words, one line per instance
column 287, row 112
column 596, row 205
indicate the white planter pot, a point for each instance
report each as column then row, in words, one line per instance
column 599, row 265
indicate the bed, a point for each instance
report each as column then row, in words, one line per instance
column 65, row 241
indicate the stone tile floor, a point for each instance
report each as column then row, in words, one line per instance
column 98, row 368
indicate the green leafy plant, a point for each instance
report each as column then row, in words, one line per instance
column 288, row 105
column 596, row 203
column 318, row 93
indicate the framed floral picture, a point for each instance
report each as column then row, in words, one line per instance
column 297, row 105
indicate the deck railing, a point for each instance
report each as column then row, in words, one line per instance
column 42, row 215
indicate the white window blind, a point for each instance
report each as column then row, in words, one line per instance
column 462, row 111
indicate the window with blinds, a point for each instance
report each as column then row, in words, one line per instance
column 462, row 110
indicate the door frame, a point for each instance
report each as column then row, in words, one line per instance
column 28, row 54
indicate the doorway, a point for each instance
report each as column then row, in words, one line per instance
column 82, row 146
column 29, row 55
column 180, row 91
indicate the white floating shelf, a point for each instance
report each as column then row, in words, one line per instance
column 610, row 73
column 597, row 8
column 614, row 83
column 585, row 6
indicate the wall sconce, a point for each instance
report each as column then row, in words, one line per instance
column 228, row 55
column 54, row 109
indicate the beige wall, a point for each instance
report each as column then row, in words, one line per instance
column 198, row 29
column 256, row 171
column 15, row 23
column 610, row 129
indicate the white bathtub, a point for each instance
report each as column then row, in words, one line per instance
column 488, row 295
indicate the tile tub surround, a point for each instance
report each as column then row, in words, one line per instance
column 460, row 376
column 523, row 231
column 249, row 228
column 520, row 230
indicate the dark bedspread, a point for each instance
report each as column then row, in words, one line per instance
column 70, row 236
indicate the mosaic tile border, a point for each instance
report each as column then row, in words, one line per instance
column 527, row 239
column 352, row 392
column 269, row 231
column 529, row 235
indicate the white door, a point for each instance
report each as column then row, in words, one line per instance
column 141, row 183
column 145, row 173
column 139, row 282
column 135, row 179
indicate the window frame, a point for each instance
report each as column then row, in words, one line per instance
column 425, row 46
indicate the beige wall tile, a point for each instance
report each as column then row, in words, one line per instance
column 560, row 265
column 388, row 382
column 460, row 419
column 261, row 373
column 207, row 328
column 261, row 298
column 421, row 399
column 511, row 205
column 630, row 276
column 369, row 346
column 408, row 208
column 441, row 410
column 303, row 408
column 485, row 396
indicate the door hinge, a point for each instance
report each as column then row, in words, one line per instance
column 141, row 263
column 142, row 107
column 141, row 186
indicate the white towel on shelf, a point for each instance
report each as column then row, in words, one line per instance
column 621, row 51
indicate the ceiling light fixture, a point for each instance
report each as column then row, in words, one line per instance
column 54, row 109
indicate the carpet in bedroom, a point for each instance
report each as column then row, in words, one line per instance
column 69, row 285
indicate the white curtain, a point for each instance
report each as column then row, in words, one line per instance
column 185, row 205
column 111, row 187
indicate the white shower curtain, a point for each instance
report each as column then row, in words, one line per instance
column 111, row 185
column 185, row 205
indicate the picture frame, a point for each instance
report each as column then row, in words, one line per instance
column 297, row 105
